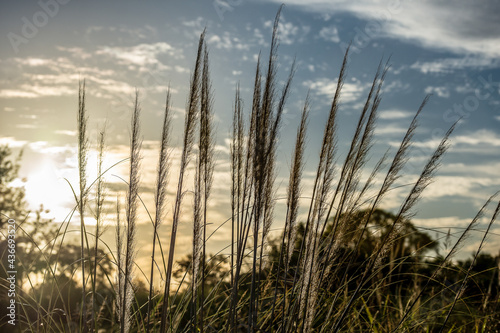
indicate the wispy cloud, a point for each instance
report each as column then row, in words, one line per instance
column 389, row 129
column 465, row 186
column 439, row 91
column 34, row 91
column 12, row 142
column 74, row 52
column 330, row 34
column 466, row 29
column 395, row 114
column 198, row 23
column 289, row 33
column 12, row 93
column 257, row 35
column 442, row 222
column 474, row 169
column 26, row 126
column 448, row 65
column 352, row 91
column 66, row 132
column 227, row 42
column 480, row 141
column 57, row 76
column 143, row 56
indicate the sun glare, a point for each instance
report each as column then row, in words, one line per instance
column 46, row 187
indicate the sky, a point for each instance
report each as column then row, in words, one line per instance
column 451, row 52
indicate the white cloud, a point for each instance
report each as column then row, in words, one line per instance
column 75, row 52
column 36, row 62
column 180, row 69
column 440, row 91
column 490, row 169
column 26, row 126
column 351, row 91
column 227, row 42
column 66, row 132
column 13, row 93
column 447, row 65
column 389, row 129
column 12, row 142
column 113, row 86
column 197, row 23
column 257, row 34
column 479, row 137
column 142, row 55
column 48, row 77
column 395, row 114
column 330, row 34
column 480, row 141
column 395, row 86
column 28, row 116
column 54, row 77
column 34, row 91
column 288, row 33
column 459, row 186
column 463, row 27
column 442, row 222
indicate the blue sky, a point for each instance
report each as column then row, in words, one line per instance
column 451, row 51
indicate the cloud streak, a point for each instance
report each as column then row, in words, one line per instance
column 468, row 28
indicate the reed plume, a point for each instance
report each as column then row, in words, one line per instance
column 324, row 175
column 188, row 141
column 203, row 186
column 82, row 200
column 131, row 217
column 161, row 193
column 98, row 217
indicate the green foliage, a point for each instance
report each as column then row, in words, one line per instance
column 12, row 202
